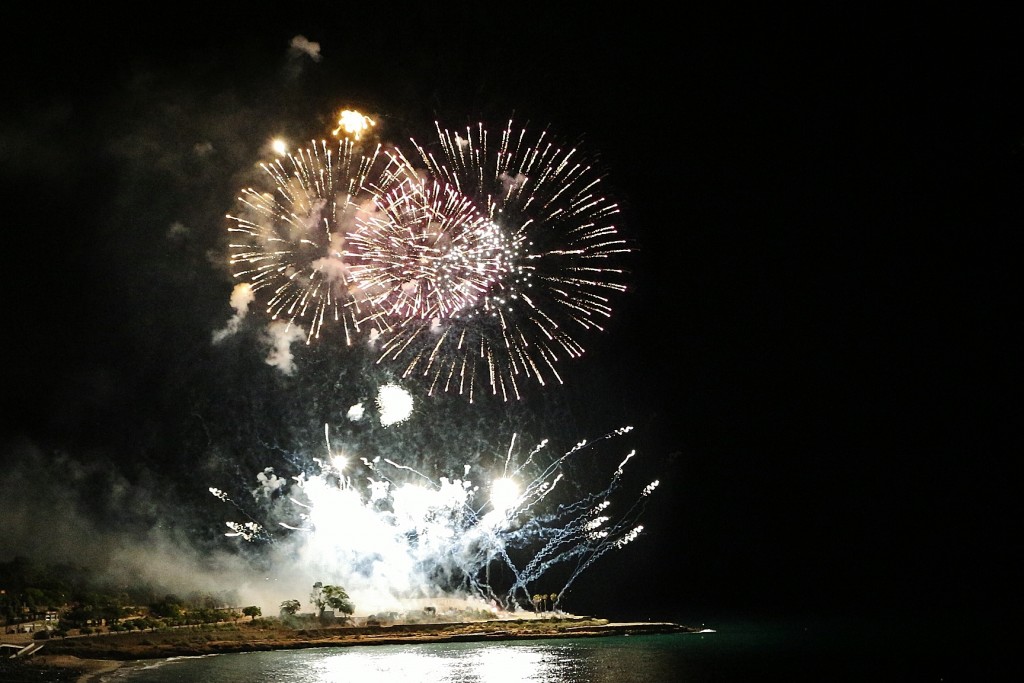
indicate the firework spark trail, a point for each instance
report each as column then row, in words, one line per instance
column 587, row 539
column 250, row 530
column 422, row 536
column 586, row 535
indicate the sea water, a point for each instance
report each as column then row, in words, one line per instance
column 614, row 659
column 744, row 651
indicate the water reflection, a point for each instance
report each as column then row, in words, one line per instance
column 507, row 664
column 651, row 659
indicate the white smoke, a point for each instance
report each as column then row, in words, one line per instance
column 301, row 51
column 280, row 335
column 177, row 231
column 300, row 45
column 64, row 507
column 241, row 296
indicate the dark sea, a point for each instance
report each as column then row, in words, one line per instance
column 733, row 651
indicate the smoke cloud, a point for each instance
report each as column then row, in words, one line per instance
column 241, row 296
column 280, row 336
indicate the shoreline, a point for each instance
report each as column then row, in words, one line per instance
column 86, row 658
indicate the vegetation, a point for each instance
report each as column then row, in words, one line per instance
column 89, row 620
column 334, row 597
column 71, row 600
column 92, row 621
column 289, row 608
column 272, row 634
column 53, row 601
column 543, row 602
column 66, row 597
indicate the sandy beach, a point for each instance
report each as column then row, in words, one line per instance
column 83, row 670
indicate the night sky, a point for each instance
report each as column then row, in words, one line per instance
column 814, row 351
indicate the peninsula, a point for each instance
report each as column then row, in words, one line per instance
column 83, row 658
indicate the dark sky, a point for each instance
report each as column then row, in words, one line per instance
column 815, row 348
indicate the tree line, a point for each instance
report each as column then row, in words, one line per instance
column 30, row 591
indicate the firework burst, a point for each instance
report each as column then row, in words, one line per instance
column 288, row 242
column 478, row 264
column 426, row 253
column 547, row 275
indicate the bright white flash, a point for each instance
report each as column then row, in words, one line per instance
column 356, row 412
column 279, row 147
column 395, row 404
column 388, row 532
column 353, row 123
column 504, row 494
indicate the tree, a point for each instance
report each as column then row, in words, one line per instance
column 290, row 607
column 338, row 600
column 252, row 611
column 171, row 607
column 554, row 598
column 334, row 597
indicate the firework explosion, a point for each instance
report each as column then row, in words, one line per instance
column 477, row 263
column 559, row 245
column 427, row 254
column 290, row 242
column 481, row 264
column 391, row 534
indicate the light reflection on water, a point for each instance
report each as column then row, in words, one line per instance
column 593, row 660
column 478, row 664
column 793, row 652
